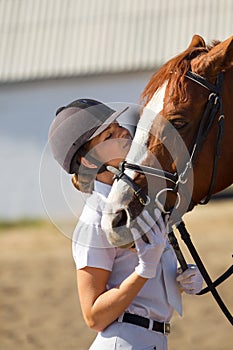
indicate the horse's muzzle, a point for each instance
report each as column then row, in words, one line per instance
column 116, row 227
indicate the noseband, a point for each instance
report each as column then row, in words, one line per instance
column 142, row 169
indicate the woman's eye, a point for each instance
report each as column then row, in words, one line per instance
column 108, row 136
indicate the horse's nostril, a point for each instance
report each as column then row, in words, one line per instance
column 120, row 219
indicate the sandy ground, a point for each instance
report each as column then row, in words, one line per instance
column 39, row 307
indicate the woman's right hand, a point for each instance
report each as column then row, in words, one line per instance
column 149, row 253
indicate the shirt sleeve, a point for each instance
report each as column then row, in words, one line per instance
column 91, row 248
column 102, row 258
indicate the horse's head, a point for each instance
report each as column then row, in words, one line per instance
column 173, row 119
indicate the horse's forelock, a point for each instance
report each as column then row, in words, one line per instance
column 173, row 71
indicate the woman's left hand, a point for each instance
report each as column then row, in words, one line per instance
column 190, row 280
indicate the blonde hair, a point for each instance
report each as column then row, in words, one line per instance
column 83, row 182
column 83, row 179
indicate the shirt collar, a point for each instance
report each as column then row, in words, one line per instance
column 102, row 188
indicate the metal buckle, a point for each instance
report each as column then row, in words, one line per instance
column 166, row 328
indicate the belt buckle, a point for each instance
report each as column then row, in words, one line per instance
column 166, row 328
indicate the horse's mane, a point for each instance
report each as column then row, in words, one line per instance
column 177, row 67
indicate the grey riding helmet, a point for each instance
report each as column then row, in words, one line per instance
column 74, row 125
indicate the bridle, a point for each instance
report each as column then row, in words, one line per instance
column 213, row 106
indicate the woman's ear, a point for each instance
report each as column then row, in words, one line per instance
column 88, row 164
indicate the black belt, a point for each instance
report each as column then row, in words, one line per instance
column 161, row 327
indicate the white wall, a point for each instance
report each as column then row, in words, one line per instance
column 27, row 110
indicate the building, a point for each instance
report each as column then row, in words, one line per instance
column 54, row 51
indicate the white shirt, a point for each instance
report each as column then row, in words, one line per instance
column 91, row 248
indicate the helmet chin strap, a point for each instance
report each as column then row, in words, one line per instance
column 101, row 167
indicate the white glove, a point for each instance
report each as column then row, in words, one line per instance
column 149, row 253
column 190, row 280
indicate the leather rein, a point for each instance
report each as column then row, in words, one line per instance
column 213, row 106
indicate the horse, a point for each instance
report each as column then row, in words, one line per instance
column 181, row 153
column 182, row 134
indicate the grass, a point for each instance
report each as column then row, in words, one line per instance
column 22, row 223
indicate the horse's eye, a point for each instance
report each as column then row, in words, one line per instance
column 178, row 123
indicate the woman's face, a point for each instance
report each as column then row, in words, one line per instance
column 112, row 145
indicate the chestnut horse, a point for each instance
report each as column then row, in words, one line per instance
column 180, row 136
column 182, row 150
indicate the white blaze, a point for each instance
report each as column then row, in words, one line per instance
column 138, row 149
column 138, row 152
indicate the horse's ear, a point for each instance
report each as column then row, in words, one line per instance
column 218, row 59
column 197, row 41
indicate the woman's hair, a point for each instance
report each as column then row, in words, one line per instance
column 83, row 178
column 83, row 183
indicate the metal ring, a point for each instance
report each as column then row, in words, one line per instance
column 141, row 200
column 160, row 205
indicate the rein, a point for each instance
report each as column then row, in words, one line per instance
column 214, row 105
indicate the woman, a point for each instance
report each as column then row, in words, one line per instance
column 127, row 295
